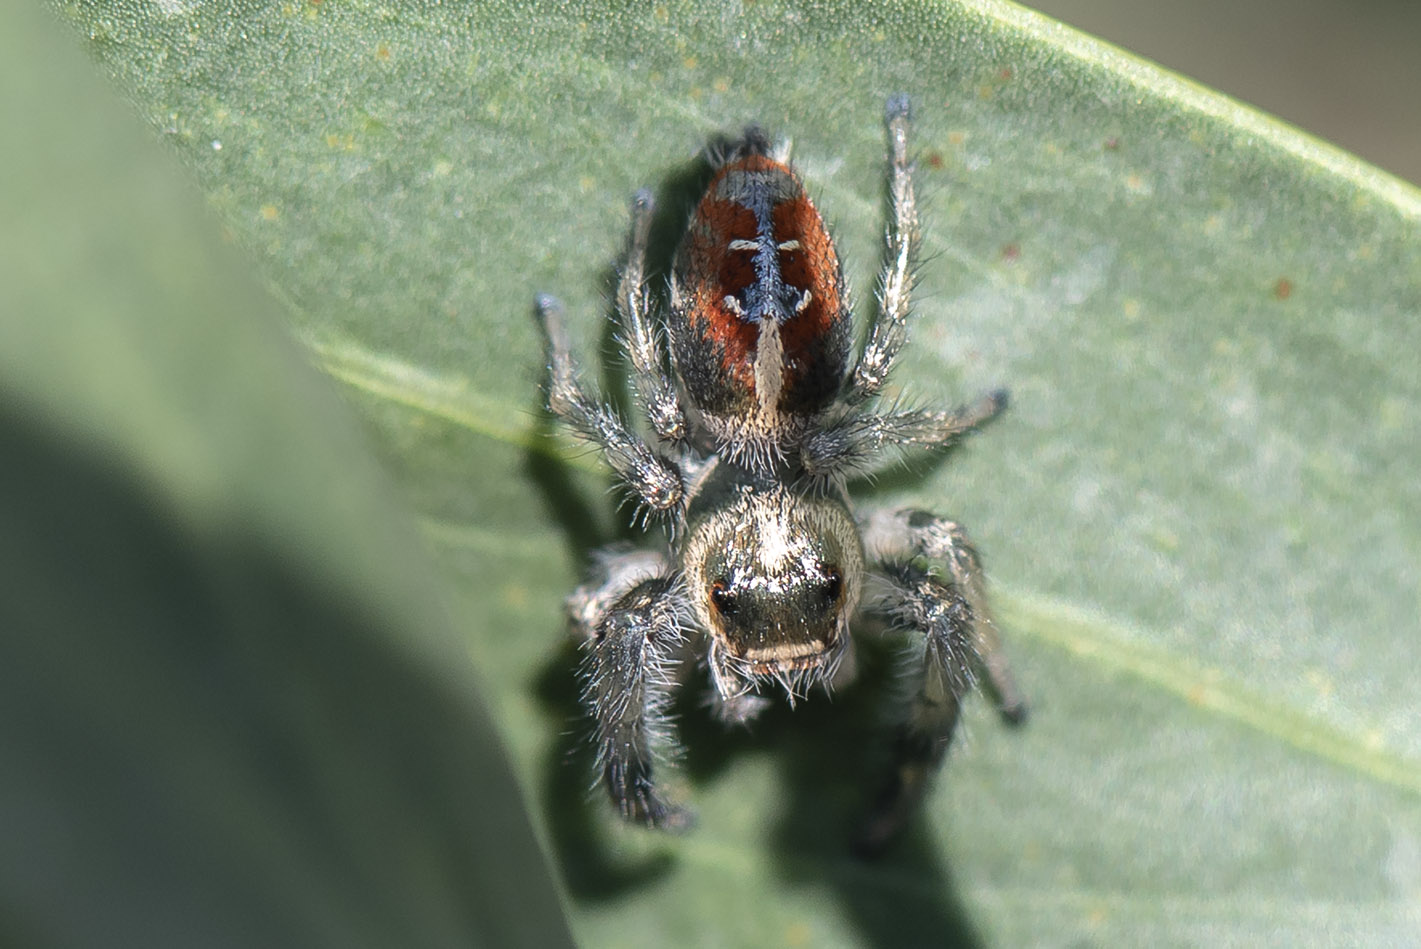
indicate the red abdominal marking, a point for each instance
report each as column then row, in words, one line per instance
column 814, row 266
column 734, row 281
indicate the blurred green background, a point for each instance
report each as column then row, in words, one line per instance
column 1348, row 71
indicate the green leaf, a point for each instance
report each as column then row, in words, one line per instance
column 233, row 710
column 1199, row 516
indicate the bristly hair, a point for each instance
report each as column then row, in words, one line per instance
column 754, row 140
column 757, row 452
column 906, row 613
column 660, row 678
column 796, row 683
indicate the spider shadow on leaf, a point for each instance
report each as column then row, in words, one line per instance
column 828, row 750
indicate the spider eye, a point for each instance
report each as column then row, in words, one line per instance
column 722, row 599
column 833, row 583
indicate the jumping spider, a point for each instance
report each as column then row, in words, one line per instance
column 757, row 425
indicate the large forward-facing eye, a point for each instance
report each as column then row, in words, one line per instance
column 722, row 599
column 833, row 583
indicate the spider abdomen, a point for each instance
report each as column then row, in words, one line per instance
column 760, row 329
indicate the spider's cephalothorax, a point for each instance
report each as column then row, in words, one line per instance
column 757, row 420
column 776, row 575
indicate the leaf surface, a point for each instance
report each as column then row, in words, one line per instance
column 1199, row 515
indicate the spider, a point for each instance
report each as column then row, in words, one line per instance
column 757, row 423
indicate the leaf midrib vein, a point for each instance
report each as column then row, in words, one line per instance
column 1082, row 634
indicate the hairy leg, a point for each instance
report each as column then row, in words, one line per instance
column 890, row 329
column 907, row 533
column 654, row 480
column 940, row 675
column 655, row 389
column 855, row 443
column 631, row 616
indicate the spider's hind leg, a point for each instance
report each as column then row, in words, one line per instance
column 655, row 388
column 654, row 480
column 889, row 330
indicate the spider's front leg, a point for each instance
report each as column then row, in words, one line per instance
column 958, row 637
column 631, row 615
column 941, row 675
column 905, row 534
